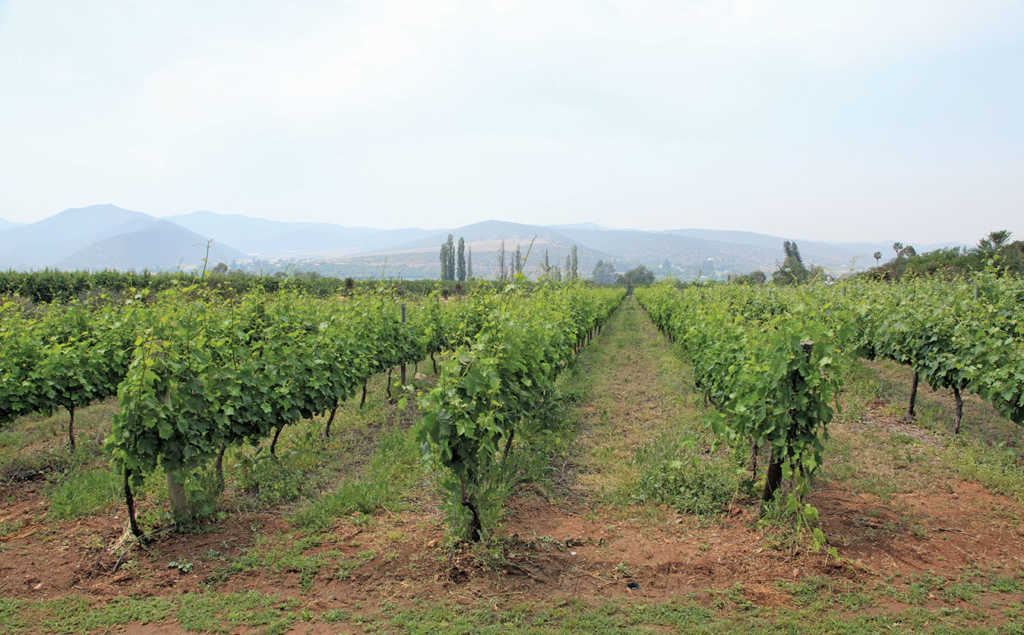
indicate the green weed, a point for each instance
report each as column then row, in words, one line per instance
column 673, row 471
column 80, row 494
column 394, row 469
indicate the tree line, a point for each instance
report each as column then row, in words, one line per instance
column 457, row 262
column 993, row 250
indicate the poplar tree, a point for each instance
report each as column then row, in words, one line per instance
column 469, row 264
column 451, row 257
column 461, row 262
column 501, row 261
column 517, row 264
column 444, row 261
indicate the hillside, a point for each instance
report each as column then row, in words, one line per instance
column 676, row 253
column 51, row 240
column 159, row 245
column 683, row 253
column 269, row 238
column 833, row 256
column 420, row 257
column 106, row 236
column 686, row 256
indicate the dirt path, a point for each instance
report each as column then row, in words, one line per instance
column 638, row 388
column 639, row 403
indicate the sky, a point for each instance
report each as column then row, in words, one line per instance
column 837, row 120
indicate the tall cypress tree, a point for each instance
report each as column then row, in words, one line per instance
column 501, row 261
column 518, row 262
column 547, row 263
column 460, row 267
column 568, row 266
column 444, row 261
column 451, row 257
column 469, row 264
column 575, row 264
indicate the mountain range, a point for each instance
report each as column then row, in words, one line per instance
column 106, row 237
column 109, row 237
column 260, row 237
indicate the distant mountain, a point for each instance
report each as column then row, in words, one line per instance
column 488, row 230
column 53, row 239
column 832, row 256
column 683, row 253
column 276, row 239
column 576, row 226
column 752, row 239
column 673, row 254
column 107, row 236
column 158, row 245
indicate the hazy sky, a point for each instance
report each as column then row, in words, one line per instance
column 830, row 119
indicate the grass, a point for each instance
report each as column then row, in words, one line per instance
column 884, row 461
column 281, row 554
column 608, row 428
column 997, row 468
column 935, row 409
column 664, row 454
column 206, row 612
column 83, row 493
column 228, row 612
column 82, row 483
column 393, row 470
column 42, row 435
column 681, row 467
column 347, row 566
column 814, row 605
column 307, row 464
column 676, row 471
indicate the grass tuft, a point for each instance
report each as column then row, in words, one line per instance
column 81, row 494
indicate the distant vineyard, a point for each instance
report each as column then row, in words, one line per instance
column 63, row 286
